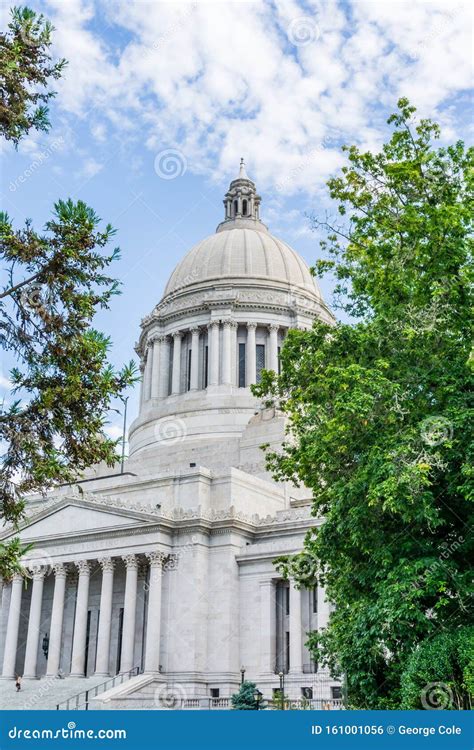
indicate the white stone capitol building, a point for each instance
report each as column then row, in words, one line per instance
column 164, row 573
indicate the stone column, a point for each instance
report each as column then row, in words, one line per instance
column 273, row 347
column 153, row 622
column 296, row 630
column 11, row 640
column 164, row 367
column 267, row 627
column 147, row 373
column 323, row 608
column 142, row 384
column 194, row 376
column 227, row 353
column 57, row 615
column 129, row 613
column 214, row 353
column 251, row 369
column 105, row 616
column 78, row 660
column 233, row 352
column 34, row 623
column 176, row 372
column 155, row 366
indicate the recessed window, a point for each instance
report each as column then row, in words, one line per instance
column 260, row 361
column 336, row 692
column 307, row 692
column 244, row 208
column 188, row 375
column 236, row 208
column 206, row 365
column 241, row 365
column 214, row 692
column 315, row 599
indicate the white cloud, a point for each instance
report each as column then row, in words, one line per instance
column 89, row 169
column 221, row 80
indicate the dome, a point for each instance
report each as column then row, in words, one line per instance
column 247, row 253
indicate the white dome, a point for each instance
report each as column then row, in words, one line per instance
column 248, row 253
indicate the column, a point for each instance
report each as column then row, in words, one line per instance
column 34, row 623
column 11, row 640
column 176, row 372
column 78, row 660
column 233, row 352
column 164, row 367
column 129, row 612
column 194, row 377
column 323, row 608
column 267, row 627
column 214, row 353
column 273, row 347
column 155, row 366
column 296, row 630
column 105, row 616
column 142, row 384
column 153, row 622
column 147, row 373
column 251, row 369
column 226, row 352
column 57, row 615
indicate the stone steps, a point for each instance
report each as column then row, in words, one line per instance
column 43, row 694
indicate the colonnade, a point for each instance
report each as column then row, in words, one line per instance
column 163, row 360
column 79, row 639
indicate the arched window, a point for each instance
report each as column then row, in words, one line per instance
column 236, row 206
column 244, row 208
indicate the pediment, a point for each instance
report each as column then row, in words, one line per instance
column 76, row 518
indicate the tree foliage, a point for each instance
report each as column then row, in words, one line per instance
column 379, row 410
column 57, row 280
column 245, row 699
column 440, row 673
column 26, row 69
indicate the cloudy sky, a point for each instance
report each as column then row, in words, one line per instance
column 160, row 100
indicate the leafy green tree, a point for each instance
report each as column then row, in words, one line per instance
column 26, row 69
column 54, row 429
column 440, row 673
column 379, row 410
column 246, row 698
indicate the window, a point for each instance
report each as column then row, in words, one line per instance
column 260, row 361
column 244, row 208
column 315, row 599
column 235, row 208
column 286, row 594
column 287, row 651
column 336, row 692
column 307, row 693
column 206, row 365
column 279, row 365
column 188, row 378
column 214, row 692
column 241, row 365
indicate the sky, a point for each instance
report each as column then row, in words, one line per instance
column 160, row 100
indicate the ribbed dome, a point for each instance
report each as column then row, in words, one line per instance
column 247, row 253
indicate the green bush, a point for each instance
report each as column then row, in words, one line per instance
column 440, row 673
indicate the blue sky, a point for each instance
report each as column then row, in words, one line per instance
column 192, row 87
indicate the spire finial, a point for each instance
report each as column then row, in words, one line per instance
column 242, row 172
